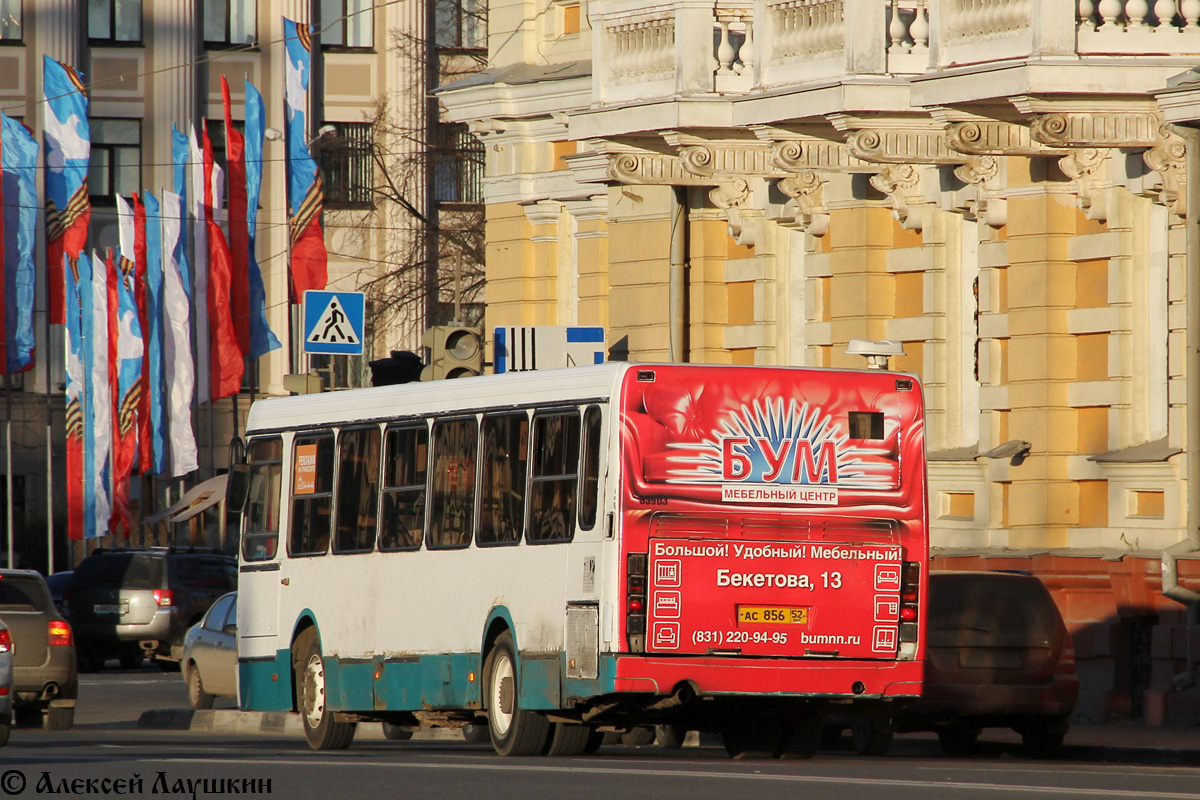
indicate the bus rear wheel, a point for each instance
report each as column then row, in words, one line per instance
column 515, row 731
column 322, row 730
column 758, row 739
column 568, row 739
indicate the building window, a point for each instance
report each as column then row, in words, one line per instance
column 347, row 169
column 460, row 24
column 114, row 21
column 10, row 21
column 230, row 22
column 347, row 23
column 116, row 161
column 457, row 165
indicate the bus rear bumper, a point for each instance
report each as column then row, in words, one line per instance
column 714, row 676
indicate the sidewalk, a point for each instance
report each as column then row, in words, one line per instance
column 1126, row 741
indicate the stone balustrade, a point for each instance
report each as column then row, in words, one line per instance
column 709, row 48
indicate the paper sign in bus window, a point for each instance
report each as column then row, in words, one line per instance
column 305, row 481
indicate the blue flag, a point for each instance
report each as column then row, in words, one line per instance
column 179, row 156
column 18, row 169
column 262, row 340
column 154, row 336
column 88, row 356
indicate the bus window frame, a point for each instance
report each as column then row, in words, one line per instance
column 598, row 445
column 306, row 437
column 480, row 486
column 337, row 487
column 251, row 446
column 412, row 424
column 431, row 500
column 534, row 442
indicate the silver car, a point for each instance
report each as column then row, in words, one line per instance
column 210, row 654
column 6, row 679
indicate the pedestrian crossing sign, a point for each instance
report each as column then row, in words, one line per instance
column 333, row 322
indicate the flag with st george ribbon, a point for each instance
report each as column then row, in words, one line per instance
column 75, row 380
column 68, row 147
column 129, row 379
column 306, row 195
column 18, row 223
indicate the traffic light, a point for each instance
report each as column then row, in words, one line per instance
column 454, row 352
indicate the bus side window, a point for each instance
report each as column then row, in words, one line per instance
column 312, row 495
column 504, row 441
column 555, row 477
column 452, row 516
column 261, row 518
column 357, row 490
column 589, row 481
column 402, row 518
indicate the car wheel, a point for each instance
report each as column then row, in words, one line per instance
column 197, row 697
column 397, row 733
column 753, row 740
column 59, row 718
column 638, row 737
column 1044, row 739
column 476, row 734
column 870, row 738
column 958, row 739
column 670, row 736
column 89, row 662
column 321, row 728
column 515, row 731
column 5, row 729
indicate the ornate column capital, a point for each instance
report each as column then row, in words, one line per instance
column 1084, row 167
column 995, row 138
column 807, row 191
column 983, row 173
column 1168, row 158
column 902, row 184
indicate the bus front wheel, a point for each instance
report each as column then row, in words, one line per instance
column 322, row 730
column 515, row 731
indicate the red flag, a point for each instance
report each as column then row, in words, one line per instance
column 124, row 412
column 226, row 364
column 239, row 233
column 140, row 258
column 309, row 270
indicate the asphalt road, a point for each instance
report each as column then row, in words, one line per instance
column 107, row 745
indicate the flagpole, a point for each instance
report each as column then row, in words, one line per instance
column 8, row 476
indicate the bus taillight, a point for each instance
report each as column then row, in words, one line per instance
column 910, row 600
column 635, row 615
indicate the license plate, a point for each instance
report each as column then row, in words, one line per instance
column 772, row 615
column 105, row 609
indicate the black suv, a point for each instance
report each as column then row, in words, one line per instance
column 129, row 603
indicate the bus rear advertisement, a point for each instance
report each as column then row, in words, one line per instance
column 559, row 554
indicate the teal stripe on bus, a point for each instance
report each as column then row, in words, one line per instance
column 413, row 684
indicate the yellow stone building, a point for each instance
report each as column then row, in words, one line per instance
column 1001, row 185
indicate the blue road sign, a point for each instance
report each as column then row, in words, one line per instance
column 333, row 322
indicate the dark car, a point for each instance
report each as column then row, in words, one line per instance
column 129, row 603
column 45, row 681
column 59, row 584
column 998, row 656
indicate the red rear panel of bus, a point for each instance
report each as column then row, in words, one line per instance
column 776, row 509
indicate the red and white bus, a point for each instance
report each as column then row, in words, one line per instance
column 569, row 552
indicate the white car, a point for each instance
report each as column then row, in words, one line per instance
column 210, row 654
column 6, row 679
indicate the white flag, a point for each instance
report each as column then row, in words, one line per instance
column 102, row 402
column 177, row 345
